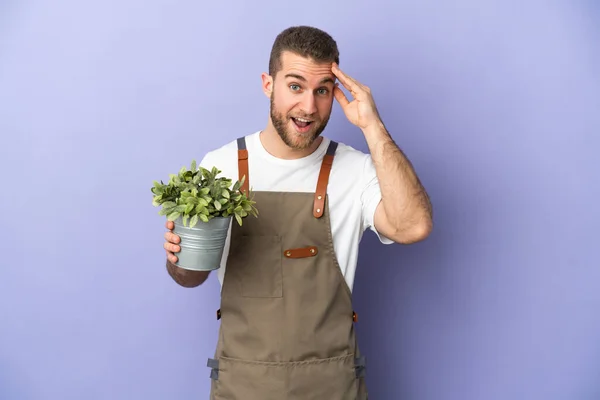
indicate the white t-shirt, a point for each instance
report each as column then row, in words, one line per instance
column 353, row 190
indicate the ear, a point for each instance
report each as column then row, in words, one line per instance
column 267, row 84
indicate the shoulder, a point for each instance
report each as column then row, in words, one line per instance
column 349, row 160
column 224, row 153
column 224, row 157
column 219, row 154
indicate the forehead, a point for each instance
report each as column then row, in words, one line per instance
column 296, row 65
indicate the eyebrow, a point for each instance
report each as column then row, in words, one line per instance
column 301, row 78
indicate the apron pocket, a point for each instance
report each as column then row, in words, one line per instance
column 332, row 379
column 246, row 380
column 254, row 264
column 326, row 379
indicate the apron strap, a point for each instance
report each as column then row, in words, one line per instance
column 243, row 164
column 321, row 192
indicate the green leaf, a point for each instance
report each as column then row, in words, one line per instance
column 164, row 211
column 193, row 166
column 173, row 216
column 202, row 201
column 238, row 219
column 225, row 193
column 193, row 221
column 217, row 205
column 203, row 217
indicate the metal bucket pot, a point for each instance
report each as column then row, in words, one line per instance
column 202, row 246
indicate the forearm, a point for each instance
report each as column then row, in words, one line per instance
column 405, row 200
column 186, row 278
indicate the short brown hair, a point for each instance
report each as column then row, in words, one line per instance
column 304, row 41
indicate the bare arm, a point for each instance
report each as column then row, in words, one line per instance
column 404, row 214
column 183, row 277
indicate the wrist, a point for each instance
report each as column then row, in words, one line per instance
column 375, row 129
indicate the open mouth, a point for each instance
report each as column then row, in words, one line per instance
column 302, row 124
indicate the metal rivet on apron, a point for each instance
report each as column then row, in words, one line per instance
column 312, row 251
column 319, row 197
column 288, row 253
column 318, row 210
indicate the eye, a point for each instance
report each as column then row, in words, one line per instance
column 294, row 87
column 322, row 91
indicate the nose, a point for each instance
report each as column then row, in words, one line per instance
column 309, row 105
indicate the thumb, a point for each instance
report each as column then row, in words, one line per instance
column 340, row 96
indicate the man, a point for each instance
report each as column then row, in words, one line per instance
column 287, row 324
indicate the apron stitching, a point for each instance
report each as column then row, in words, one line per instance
column 290, row 363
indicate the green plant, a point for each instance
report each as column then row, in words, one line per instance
column 197, row 194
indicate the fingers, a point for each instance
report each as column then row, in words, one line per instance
column 172, row 238
column 171, row 246
column 349, row 83
column 171, row 242
column 171, row 257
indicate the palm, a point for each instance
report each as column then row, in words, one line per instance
column 358, row 113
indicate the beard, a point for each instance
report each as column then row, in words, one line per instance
column 295, row 140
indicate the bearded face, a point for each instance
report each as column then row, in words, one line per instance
column 301, row 100
column 297, row 129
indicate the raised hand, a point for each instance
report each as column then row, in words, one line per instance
column 361, row 111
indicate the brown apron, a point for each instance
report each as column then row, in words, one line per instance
column 287, row 324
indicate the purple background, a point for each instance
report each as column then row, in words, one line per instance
column 493, row 102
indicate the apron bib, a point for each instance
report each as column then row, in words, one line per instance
column 287, row 323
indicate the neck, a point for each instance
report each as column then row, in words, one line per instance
column 275, row 146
